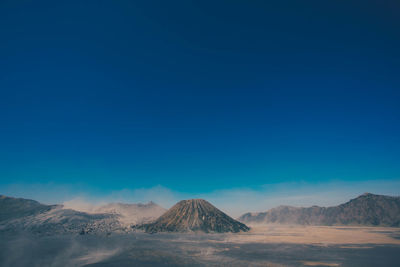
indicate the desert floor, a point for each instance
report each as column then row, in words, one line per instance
column 264, row 245
column 318, row 235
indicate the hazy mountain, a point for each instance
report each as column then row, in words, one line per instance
column 61, row 221
column 133, row 213
column 11, row 208
column 17, row 214
column 195, row 215
column 367, row 209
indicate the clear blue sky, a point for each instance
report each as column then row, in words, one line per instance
column 198, row 96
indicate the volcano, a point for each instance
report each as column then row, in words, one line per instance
column 195, row 215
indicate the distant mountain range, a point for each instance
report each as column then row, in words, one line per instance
column 367, row 209
column 195, row 215
column 17, row 214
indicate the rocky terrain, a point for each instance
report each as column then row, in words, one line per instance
column 195, row 215
column 12, row 208
column 367, row 209
column 17, row 214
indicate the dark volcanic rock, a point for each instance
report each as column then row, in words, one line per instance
column 367, row 209
column 195, row 215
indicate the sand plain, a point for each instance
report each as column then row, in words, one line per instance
column 328, row 235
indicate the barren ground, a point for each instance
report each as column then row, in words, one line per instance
column 264, row 245
column 345, row 235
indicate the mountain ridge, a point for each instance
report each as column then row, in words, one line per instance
column 19, row 214
column 195, row 215
column 367, row 209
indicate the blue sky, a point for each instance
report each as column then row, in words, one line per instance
column 198, row 96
